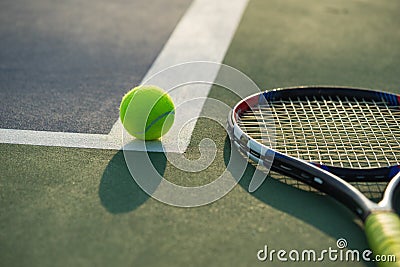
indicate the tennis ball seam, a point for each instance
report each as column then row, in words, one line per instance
column 172, row 112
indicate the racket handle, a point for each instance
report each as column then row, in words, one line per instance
column 383, row 234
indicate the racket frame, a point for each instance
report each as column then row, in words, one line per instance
column 318, row 176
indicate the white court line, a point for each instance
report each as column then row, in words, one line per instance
column 203, row 34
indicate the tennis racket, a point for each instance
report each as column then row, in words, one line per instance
column 327, row 137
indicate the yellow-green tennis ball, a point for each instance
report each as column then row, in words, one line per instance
column 147, row 112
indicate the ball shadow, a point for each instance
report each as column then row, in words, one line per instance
column 118, row 191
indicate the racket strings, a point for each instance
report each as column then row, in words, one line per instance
column 343, row 132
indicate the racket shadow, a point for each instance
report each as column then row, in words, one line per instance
column 304, row 203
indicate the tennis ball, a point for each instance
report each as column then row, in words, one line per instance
column 147, row 112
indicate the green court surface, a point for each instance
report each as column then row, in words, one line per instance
column 81, row 207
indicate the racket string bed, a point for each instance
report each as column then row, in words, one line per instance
column 351, row 128
column 378, row 145
column 331, row 143
column 342, row 132
column 390, row 125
